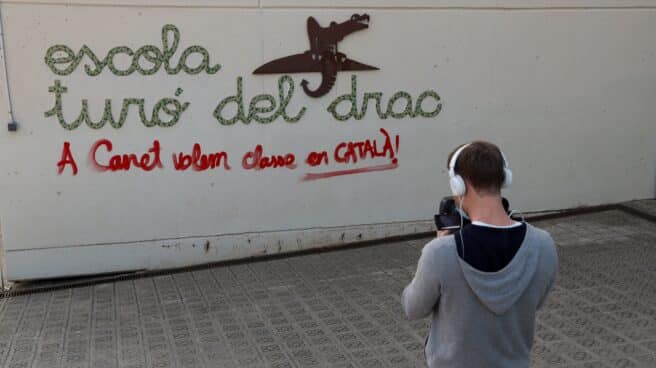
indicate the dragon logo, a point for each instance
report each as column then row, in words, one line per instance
column 323, row 56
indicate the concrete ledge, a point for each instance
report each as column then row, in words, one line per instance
column 190, row 251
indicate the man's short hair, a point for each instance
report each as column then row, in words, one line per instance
column 480, row 163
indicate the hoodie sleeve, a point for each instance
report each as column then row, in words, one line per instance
column 552, row 265
column 420, row 296
column 544, row 296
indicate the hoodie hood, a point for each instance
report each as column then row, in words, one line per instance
column 498, row 291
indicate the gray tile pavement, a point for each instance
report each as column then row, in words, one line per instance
column 336, row 309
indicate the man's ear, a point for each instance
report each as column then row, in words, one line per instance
column 471, row 190
column 468, row 185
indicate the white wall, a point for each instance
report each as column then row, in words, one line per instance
column 566, row 88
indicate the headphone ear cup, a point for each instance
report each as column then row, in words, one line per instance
column 458, row 187
column 507, row 177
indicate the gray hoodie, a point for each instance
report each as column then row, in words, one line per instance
column 481, row 319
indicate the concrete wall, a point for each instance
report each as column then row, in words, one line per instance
column 566, row 88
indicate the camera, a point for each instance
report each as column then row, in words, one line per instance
column 448, row 217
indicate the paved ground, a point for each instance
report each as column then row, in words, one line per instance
column 337, row 309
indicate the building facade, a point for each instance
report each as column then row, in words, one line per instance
column 164, row 133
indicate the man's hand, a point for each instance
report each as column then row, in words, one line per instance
column 441, row 233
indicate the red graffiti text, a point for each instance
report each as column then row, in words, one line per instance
column 146, row 162
column 351, row 152
column 66, row 159
column 255, row 160
column 317, row 158
column 200, row 161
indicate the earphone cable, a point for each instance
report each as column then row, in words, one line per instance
column 462, row 216
column 521, row 215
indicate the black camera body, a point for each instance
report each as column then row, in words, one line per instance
column 448, row 217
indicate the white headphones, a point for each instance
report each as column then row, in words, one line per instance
column 456, row 181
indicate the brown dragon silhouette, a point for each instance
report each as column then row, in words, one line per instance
column 323, row 55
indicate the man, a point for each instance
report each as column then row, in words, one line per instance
column 484, row 283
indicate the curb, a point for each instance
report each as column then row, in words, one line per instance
column 90, row 281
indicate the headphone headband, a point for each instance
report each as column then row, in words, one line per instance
column 505, row 162
column 454, row 159
column 457, row 182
